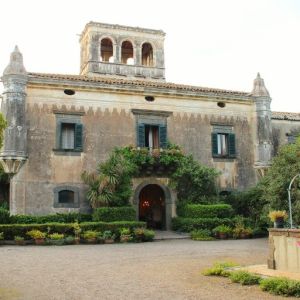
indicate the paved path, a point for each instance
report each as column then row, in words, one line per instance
column 160, row 270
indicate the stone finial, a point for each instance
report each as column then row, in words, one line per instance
column 15, row 66
column 259, row 88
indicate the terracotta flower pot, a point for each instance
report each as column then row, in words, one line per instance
column 109, row 241
column 125, row 238
column 223, row 235
column 39, row 241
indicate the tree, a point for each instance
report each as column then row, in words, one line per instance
column 275, row 184
column 3, row 125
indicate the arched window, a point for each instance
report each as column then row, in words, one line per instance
column 127, row 53
column 106, row 50
column 147, row 55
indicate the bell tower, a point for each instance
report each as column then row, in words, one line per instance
column 122, row 52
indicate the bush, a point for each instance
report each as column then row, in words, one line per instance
column 112, row 214
column 11, row 230
column 201, row 235
column 57, row 218
column 36, row 234
column 189, row 224
column 206, row 211
column 56, row 236
column 90, row 234
column 244, row 277
column 4, row 216
column 281, row 286
column 219, row 269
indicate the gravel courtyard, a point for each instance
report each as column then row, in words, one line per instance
column 159, row 270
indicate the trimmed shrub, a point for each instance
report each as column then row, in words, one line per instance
column 189, row 224
column 281, row 286
column 112, row 214
column 11, row 230
column 4, row 216
column 244, row 278
column 57, row 218
column 206, row 211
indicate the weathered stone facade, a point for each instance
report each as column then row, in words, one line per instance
column 93, row 112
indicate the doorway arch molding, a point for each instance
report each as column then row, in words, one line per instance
column 170, row 196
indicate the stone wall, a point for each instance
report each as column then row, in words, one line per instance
column 108, row 122
column 281, row 130
column 284, row 249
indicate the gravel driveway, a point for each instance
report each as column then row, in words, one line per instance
column 159, row 270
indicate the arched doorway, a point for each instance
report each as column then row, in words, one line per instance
column 152, row 206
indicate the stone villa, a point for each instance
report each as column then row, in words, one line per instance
column 60, row 125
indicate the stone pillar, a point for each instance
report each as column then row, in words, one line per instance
column 264, row 145
column 14, row 152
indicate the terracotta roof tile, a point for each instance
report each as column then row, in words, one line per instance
column 278, row 115
column 136, row 82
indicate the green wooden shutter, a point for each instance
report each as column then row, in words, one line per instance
column 214, row 144
column 59, row 135
column 78, row 145
column 163, row 136
column 231, row 145
column 140, row 135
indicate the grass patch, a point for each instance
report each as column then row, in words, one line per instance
column 219, row 269
column 244, row 278
column 281, row 286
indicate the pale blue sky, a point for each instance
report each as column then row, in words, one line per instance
column 214, row 43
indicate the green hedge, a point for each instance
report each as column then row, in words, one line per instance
column 12, row 230
column 190, row 224
column 111, row 214
column 4, row 216
column 206, row 211
column 57, row 218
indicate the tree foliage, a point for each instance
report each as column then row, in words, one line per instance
column 275, row 184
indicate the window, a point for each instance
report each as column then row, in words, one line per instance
column 106, row 50
column 152, row 136
column 147, row 55
column 66, row 196
column 223, row 145
column 70, row 136
column 127, row 53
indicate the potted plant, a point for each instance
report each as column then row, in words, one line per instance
column 148, row 235
column 19, row 240
column 38, row 236
column 90, row 236
column 69, row 240
column 1, row 238
column 139, row 234
column 222, row 231
column 56, row 239
column 278, row 217
column 77, row 232
column 125, row 235
column 109, row 237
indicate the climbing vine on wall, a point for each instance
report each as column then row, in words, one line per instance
column 111, row 183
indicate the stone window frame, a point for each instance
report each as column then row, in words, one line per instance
column 228, row 130
column 60, row 188
column 63, row 117
column 151, row 117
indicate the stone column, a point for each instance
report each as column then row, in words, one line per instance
column 264, row 145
